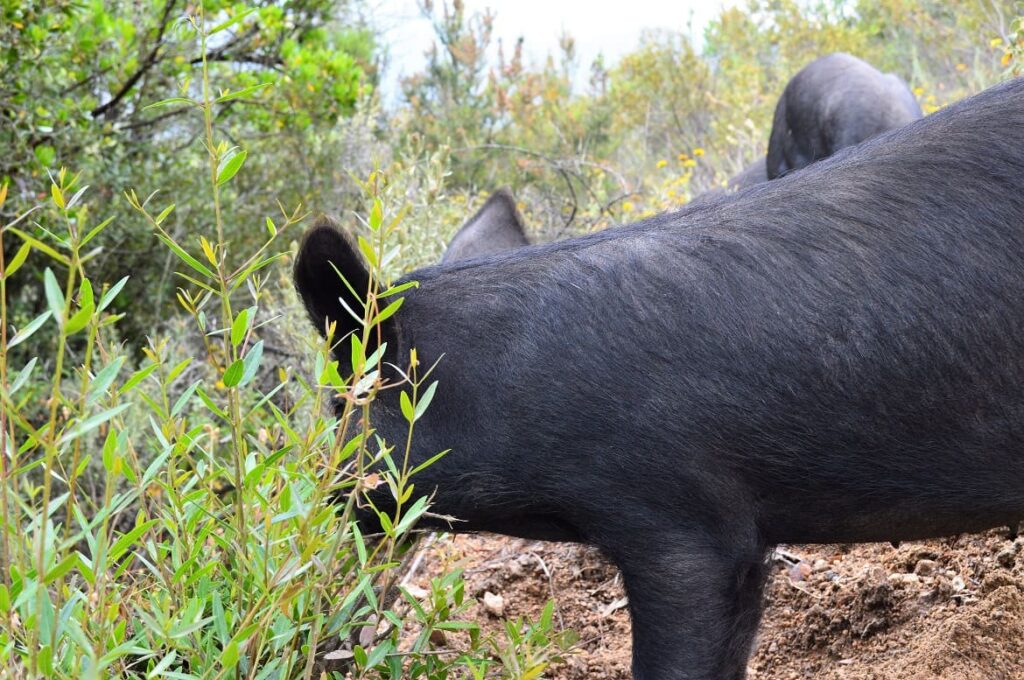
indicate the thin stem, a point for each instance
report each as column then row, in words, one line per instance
column 50, row 450
column 5, row 517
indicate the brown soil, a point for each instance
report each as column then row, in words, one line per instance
column 943, row 610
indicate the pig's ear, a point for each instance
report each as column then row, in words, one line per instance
column 326, row 255
column 495, row 228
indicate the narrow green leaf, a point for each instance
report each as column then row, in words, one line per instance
column 400, row 288
column 81, row 318
column 407, row 409
column 410, row 516
column 368, row 252
column 127, row 540
column 240, row 278
column 178, row 368
column 96, row 230
column 26, row 332
column 44, row 659
column 185, row 257
column 254, row 475
column 428, row 462
column 425, row 400
column 77, row 197
column 109, row 451
column 91, row 423
column 165, row 663
column 137, row 377
column 357, row 538
column 164, row 213
column 229, row 657
column 109, row 296
column 376, row 215
column 65, row 565
column 358, row 354
column 169, row 101
column 85, row 298
column 244, row 92
column 239, row 327
column 271, row 228
column 377, row 654
column 20, row 379
column 251, row 363
column 57, row 195
column 18, row 259
column 234, row 373
column 39, row 245
column 54, row 296
column 387, row 312
column 351, row 445
column 208, row 402
column 183, row 399
column 230, row 167
column 104, row 379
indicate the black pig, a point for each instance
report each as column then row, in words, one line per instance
column 495, row 228
column 835, row 356
column 834, row 102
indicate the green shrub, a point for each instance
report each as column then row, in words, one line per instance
column 180, row 518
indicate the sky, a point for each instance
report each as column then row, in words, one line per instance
column 608, row 28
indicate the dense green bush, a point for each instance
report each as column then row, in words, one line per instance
column 77, row 81
column 172, row 519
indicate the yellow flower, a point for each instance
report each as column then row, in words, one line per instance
column 662, row 163
column 961, row 67
column 698, row 152
column 996, row 42
column 627, row 206
column 689, row 163
column 1007, row 57
column 683, row 156
column 918, row 91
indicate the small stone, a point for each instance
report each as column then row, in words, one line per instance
column 820, row 566
column 494, row 604
column 1006, row 557
column 904, row 579
column 799, row 572
column 925, row 567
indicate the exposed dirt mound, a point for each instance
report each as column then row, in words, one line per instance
column 936, row 610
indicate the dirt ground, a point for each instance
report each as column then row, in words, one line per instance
column 947, row 610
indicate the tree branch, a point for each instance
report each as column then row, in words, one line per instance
column 148, row 63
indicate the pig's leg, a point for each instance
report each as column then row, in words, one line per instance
column 695, row 602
